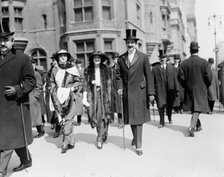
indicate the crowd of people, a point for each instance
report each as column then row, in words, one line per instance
column 126, row 85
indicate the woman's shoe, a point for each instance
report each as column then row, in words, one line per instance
column 64, row 149
column 191, row 132
column 139, row 151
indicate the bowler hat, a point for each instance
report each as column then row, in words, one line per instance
column 131, row 34
column 103, row 56
column 62, row 51
column 194, row 45
column 162, row 53
column 211, row 60
column 4, row 29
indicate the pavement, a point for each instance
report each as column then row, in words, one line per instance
column 167, row 152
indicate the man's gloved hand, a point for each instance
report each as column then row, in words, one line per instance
column 151, row 99
column 120, row 91
column 84, row 100
column 10, row 91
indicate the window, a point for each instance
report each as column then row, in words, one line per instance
column 83, row 10
column 45, row 20
column 164, row 22
column 18, row 15
column 5, row 11
column 40, row 56
column 138, row 9
column 108, row 45
column 106, row 8
column 151, row 18
column 84, row 49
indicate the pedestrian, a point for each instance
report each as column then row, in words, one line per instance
column 135, row 83
column 79, row 107
column 16, row 81
column 166, row 87
column 221, row 82
column 97, row 95
column 196, row 76
column 64, row 84
column 116, row 98
column 35, row 107
column 179, row 100
column 213, row 90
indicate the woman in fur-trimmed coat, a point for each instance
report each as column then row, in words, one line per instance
column 97, row 95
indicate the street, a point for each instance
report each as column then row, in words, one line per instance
column 167, row 152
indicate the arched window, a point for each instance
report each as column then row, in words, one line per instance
column 41, row 58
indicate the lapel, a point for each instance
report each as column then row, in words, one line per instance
column 126, row 60
column 9, row 56
column 134, row 59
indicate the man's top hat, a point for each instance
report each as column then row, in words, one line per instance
column 162, row 53
column 194, row 45
column 131, row 34
column 211, row 60
column 4, row 29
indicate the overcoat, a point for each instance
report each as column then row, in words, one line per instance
column 213, row 90
column 15, row 70
column 166, row 85
column 137, row 83
column 35, row 107
column 196, row 76
column 179, row 99
column 221, row 82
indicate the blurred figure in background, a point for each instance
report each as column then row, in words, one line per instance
column 35, row 107
column 213, row 90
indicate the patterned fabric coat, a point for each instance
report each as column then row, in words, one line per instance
column 106, row 87
column 15, row 70
column 61, row 82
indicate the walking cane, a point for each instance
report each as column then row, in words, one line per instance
column 24, row 132
column 153, row 111
column 122, row 112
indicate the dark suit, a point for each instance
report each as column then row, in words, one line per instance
column 166, row 88
column 137, row 83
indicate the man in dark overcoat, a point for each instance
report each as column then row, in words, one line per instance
column 196, row 76
column 135, row 82
column 166, row 87
column 16, row 81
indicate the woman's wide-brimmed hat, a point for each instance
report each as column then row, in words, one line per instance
column 62, row 51
column 4, row 29
column 131, row 34
column 103, row 56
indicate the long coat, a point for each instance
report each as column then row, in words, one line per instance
column 221, row 82
column 166, row 85
column 35, row 107
column 137, row 83
column 213, row 90
column 15, row 70
column 196, row 76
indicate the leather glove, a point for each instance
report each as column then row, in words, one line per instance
column 10, row 91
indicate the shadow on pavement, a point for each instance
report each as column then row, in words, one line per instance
column 178, row 128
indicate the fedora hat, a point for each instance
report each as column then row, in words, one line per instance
column 194, row 45
column 211, row 60
column 62, row 51
column 176, row 57
column 131, row 34
column 4, row 29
